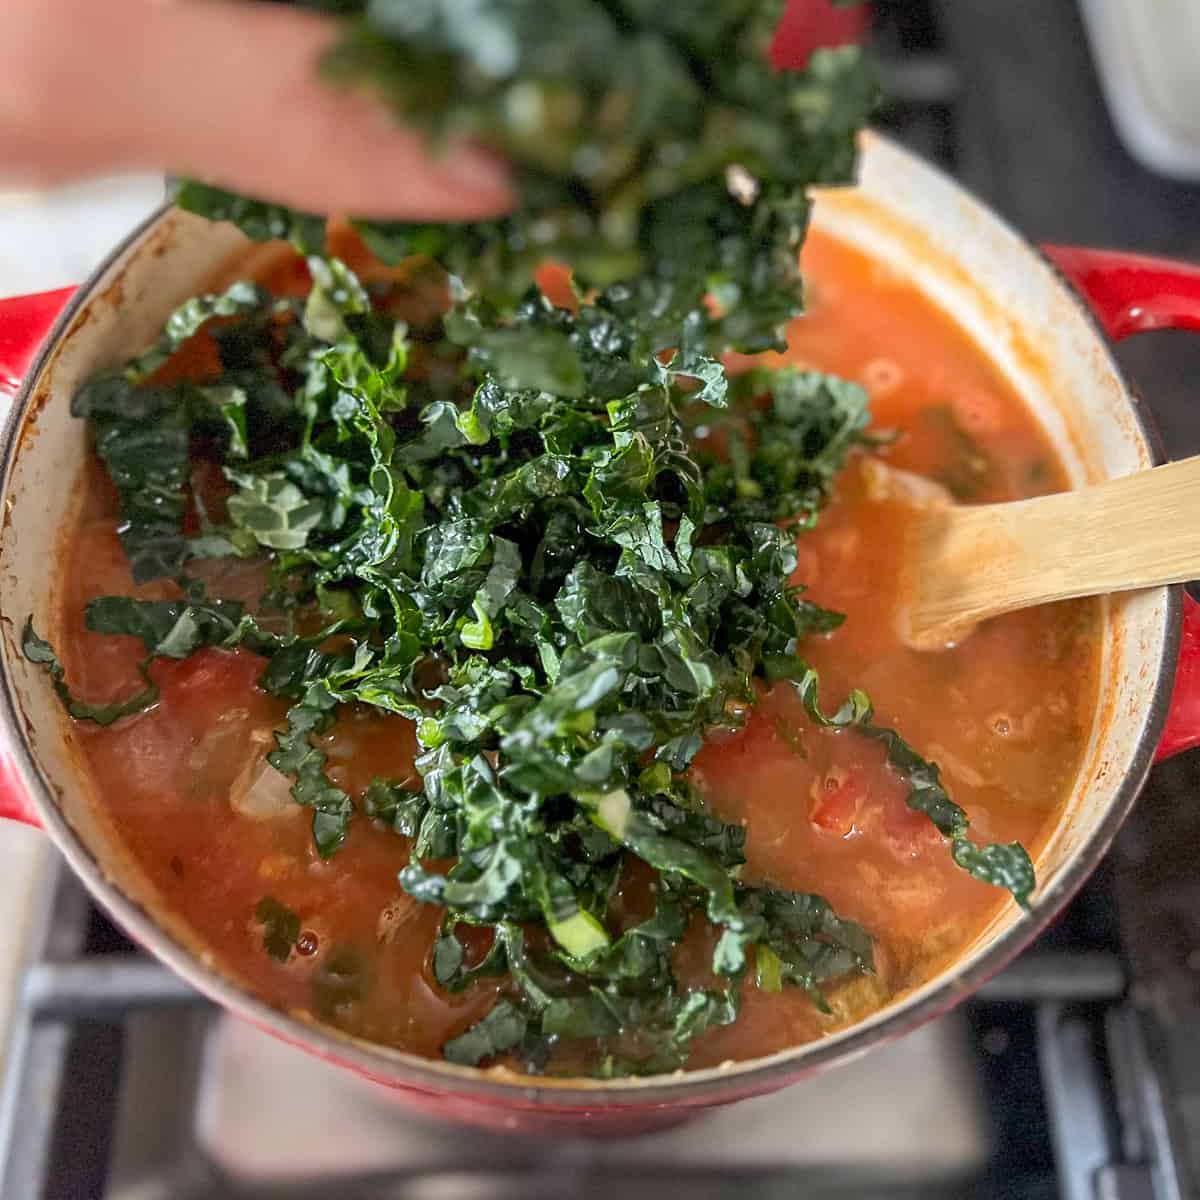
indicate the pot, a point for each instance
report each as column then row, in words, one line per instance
column 1011, row 298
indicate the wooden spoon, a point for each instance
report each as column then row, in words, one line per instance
column 967, row 563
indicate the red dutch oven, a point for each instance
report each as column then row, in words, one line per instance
column 1045, row 318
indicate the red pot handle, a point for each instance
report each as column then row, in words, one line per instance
column 1182, row 731
column 1132, row 293
column 808, row 25
column 14, row 803
column 24, row 323
column 1135, row 293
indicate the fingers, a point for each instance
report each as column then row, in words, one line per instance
column 227, row 92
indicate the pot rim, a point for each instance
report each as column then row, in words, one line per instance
column 692, row 1088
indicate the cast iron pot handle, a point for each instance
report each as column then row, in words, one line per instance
column 24, row 323
column 1134, row 293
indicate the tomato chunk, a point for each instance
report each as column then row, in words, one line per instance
column 839, row 797
column 198, row 689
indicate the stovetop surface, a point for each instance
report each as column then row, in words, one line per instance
column 1076, row 1073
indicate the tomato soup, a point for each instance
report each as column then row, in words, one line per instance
column 1006, row 716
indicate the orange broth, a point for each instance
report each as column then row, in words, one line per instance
column 1006, row 715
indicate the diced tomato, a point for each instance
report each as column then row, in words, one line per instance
column 871, row 801
column 288, row 274
column 555, row 281
column 839, row 796
column 198, row 689
column 809, row 25
column 208, row 669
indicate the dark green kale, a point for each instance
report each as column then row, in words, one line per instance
column 502, row 1029
column 783, row 455
column 590, row 599
column 511, row 518
column 262, row 222
column 142, row 436
column 280, row 927
column 655, row 149
column 145, row 433
column 295, row 755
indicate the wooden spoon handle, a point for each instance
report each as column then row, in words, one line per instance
column 1139, row 531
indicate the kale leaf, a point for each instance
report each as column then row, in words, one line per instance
column 259, row 221
column 281, row 927
column 502, row 1028
column 142, row 436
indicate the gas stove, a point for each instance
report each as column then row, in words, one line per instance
column 1073, row 1074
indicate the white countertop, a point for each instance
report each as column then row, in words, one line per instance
column 56, row 238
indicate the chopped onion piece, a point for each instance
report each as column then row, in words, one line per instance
column 260, row 792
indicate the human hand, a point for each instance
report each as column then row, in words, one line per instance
column 223, row 91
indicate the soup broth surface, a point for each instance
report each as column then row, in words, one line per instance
column 1005, row 715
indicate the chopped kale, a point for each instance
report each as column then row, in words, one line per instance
column 501, row 523
column 280, row 927
column 655, row 151
column 501, row 1030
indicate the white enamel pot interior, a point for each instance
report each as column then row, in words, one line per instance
column 909, row 219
